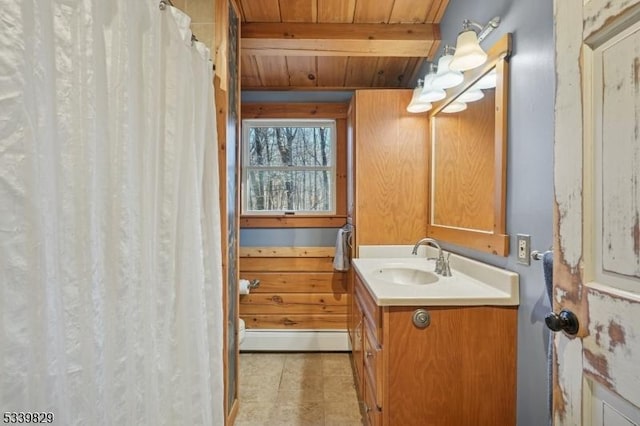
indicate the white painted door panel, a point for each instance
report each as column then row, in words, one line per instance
column 597, row 192
column 608, row 409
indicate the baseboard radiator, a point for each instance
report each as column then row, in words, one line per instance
column 295, row 341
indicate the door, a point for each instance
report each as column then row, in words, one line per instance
column 597, row 218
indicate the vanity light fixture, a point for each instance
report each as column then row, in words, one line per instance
column 417, row 105
column 446, row 77
column 469, row 54
column 430, row 93
column 455, row 106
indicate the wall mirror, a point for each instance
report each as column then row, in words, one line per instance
column 468, row 158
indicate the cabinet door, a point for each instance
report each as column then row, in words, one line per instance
column 371, row 411
column 372, row 361
column 390, row 206
column 460, row 370
column 357, row 345
column 370, row 311
column 353, row 314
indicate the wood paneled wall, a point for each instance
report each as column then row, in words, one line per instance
column 298, row 289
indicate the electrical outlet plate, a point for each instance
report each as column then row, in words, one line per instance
column 523, row 246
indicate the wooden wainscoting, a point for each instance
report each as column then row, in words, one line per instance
column 298, row 289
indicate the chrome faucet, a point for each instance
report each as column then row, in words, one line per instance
column 426, row 241
column 442, row 264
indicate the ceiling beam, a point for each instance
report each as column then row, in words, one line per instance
column 300, row 39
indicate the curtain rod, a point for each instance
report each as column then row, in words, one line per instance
column 163, row 6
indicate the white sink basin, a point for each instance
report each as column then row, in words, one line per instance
column 404, row 274
column 410, row 281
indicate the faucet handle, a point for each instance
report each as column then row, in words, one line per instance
column 446, row 270
column 439, row 265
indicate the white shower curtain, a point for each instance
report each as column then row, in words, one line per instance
column 110, row 263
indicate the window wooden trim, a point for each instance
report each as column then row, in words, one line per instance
column 287, row 221
column 328, row 110
column 336, row 111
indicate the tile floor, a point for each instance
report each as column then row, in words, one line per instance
column 297, row 389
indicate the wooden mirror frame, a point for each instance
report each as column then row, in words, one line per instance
column 495, row 241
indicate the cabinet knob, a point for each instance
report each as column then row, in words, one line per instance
column 421, row 318
column 369, row 354
column 565, row 320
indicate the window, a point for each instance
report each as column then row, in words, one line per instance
column 289, row 167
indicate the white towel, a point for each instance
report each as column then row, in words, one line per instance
column 341, row 259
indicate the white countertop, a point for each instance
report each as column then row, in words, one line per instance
column 472, row 283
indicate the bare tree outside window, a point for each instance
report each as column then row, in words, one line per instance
column 289, row 166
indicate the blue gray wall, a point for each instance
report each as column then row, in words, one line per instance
column 292, row 237
column 529, row 181
column 290, row 96
column 529, row 174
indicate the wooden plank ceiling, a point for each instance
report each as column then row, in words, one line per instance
column 336, row 44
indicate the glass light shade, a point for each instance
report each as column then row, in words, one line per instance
column 455, row 107
column 446, row 78
column 470, row 95
column 416, row 105
column 488, row 81
column 468, row 54
column 430, row 93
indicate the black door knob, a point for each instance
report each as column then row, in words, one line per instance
column 565, row 320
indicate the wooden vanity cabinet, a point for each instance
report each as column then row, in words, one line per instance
column 388, row 168
column 460, row 370
column 355, row 334
column 367, row 357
